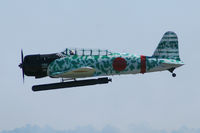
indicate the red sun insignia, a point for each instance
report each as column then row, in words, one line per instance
column 119, row 64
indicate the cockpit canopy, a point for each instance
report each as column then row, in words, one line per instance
column 75, row 51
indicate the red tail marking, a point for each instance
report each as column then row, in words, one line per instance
column 143, row 64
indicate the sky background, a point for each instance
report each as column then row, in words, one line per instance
column 155, row 100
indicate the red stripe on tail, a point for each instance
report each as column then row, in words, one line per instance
column 143, row 64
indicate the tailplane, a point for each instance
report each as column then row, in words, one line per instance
column 168, row 47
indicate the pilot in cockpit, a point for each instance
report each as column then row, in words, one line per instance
column 71, row 52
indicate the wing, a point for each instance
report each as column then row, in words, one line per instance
column 76, row 73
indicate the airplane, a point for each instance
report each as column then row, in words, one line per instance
column 71, row 64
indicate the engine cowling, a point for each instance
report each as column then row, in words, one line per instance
column 36, row 65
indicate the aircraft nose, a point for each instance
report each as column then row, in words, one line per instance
column 20, row 65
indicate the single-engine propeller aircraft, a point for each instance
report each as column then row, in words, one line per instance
column 83, row 63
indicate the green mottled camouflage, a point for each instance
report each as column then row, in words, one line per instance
column 168, row 47
column 165, row 57
column 103, row 64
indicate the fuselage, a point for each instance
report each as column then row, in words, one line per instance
column 73, row 65
column 106, row 65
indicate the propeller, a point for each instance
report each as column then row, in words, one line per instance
column 21, row 65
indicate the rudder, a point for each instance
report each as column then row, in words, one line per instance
column 168, row 47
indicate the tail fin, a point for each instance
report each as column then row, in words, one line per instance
column 168, row 47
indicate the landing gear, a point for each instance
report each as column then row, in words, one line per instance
column 172, row 70
column 173, row 74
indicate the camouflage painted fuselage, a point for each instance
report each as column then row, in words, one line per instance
column 165, row 57
column 113, row 64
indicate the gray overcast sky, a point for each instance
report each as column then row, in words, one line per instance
column 135, row 26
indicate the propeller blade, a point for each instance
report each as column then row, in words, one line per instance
column 23, row 75
column 22, row 64
column 22, row 56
